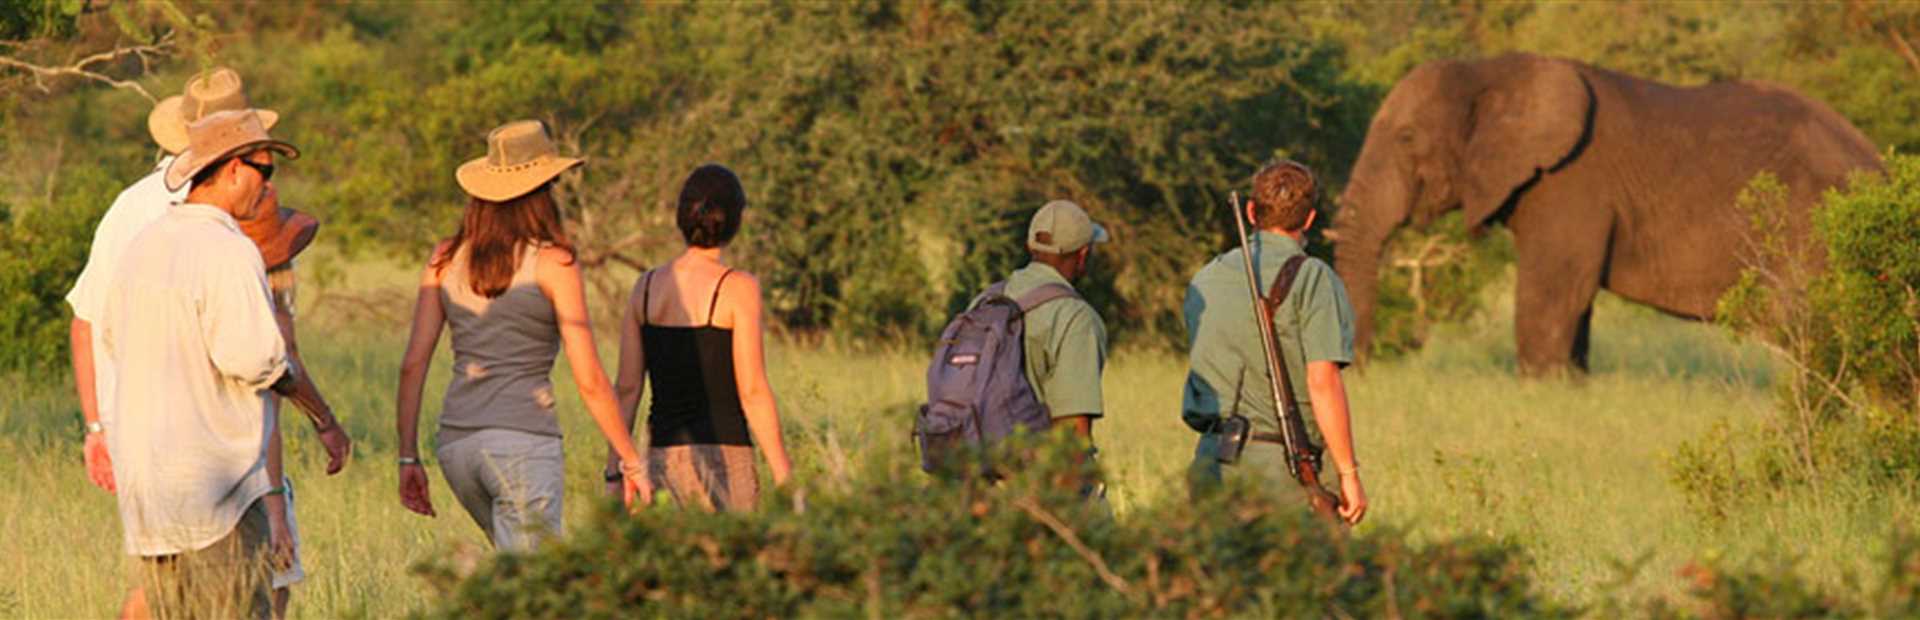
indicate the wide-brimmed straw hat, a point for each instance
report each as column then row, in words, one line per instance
column 520, row 158
column 220, row 135
column 213, row 91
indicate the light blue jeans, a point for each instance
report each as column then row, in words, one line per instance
column 511, row 483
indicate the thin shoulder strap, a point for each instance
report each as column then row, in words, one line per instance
column 715, row 302
column 646, row 290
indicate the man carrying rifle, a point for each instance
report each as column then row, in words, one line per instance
column 1229, row 397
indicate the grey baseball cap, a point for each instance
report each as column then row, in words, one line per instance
column 1062, row 227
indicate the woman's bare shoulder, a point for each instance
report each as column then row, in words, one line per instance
column 556, row 256
column 741, row 286
column 437, row 261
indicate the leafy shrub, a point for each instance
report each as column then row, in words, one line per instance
column 1774, row 588
column 896, row 543
column 1847, row 335
column 41, row 252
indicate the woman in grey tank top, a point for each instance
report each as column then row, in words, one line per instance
column 507, row 287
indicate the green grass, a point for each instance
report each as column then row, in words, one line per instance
column 1451, row 443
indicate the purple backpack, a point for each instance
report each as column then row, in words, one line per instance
column 977, row 389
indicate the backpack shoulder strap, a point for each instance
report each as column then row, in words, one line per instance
column 997, row 289
column 1283, row 283
column 1043, row 294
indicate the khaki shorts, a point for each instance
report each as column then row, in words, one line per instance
column 227, row 579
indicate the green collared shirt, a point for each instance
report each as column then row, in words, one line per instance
column 1227, row 363
column 1066, row 345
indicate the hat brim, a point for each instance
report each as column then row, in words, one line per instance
column 169, row 127
column 486, row 183
column 190, row 163
column 296, row 233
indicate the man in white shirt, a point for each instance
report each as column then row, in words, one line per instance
column 136, row 207
column 191, row 332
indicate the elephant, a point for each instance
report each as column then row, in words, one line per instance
column 1604, row 179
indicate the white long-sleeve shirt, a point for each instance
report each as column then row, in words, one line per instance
column 136, row 207
column 190, row 328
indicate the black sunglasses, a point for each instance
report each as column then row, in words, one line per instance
column 265, row 170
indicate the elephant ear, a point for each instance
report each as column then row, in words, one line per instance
column 1531, row 115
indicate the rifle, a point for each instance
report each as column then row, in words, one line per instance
column 1303, row 458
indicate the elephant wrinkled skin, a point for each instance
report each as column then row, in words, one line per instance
column 1605, row 180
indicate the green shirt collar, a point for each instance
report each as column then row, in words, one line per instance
column 1037, row 273
column 1275, row 245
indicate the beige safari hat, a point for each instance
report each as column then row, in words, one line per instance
column 1062, row 227
column 213, row 91
column 218, row 136
column 520, row 158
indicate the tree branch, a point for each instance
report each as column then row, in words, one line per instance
column 1060, row 528
column 80, row 68
column 1906, row 49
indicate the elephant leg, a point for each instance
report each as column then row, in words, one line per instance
column 1561, row 247
column 1582, row 333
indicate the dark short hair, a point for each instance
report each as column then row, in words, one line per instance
column 1283, row 194
column 711, row 203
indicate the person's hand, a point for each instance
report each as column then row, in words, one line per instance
column 338, row 445
column 413, row 489
column 635, row 486
column 1353, row 498
column 280, row 541
column 636, row 492
column 99, row 465
column 782, row 471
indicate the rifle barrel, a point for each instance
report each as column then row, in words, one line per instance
column 1265, row 320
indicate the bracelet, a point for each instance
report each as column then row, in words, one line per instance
column 1347, row 472
column 95, row 427
column 322, row 427
column 632, row 469
column 411, row 460
column 277, row 491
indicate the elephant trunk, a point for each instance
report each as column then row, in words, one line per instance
column 1357, row 259
column 1372, row 206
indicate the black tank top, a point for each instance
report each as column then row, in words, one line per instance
column 694, row 396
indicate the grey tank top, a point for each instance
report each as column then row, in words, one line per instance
column 503, row 351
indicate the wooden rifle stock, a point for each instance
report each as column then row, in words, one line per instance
column 1303, row 459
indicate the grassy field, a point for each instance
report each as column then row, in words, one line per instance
column 1575, row 471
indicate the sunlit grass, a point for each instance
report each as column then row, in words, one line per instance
column 1450, row 441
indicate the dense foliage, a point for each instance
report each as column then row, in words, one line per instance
column 891, row 149
column 890, row 542
column 896, row 543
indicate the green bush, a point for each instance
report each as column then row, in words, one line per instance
column 896, row 543
column 1871, row 290
column 41, row 252
column 1846, row 333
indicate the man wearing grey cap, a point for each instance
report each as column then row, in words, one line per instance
column 1066, row 342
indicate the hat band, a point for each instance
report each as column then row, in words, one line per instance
column 519, row 166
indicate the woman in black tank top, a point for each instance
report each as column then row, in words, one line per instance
column 711, row 400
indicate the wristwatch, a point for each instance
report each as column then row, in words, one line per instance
column 613, row 475
column 95, row 427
